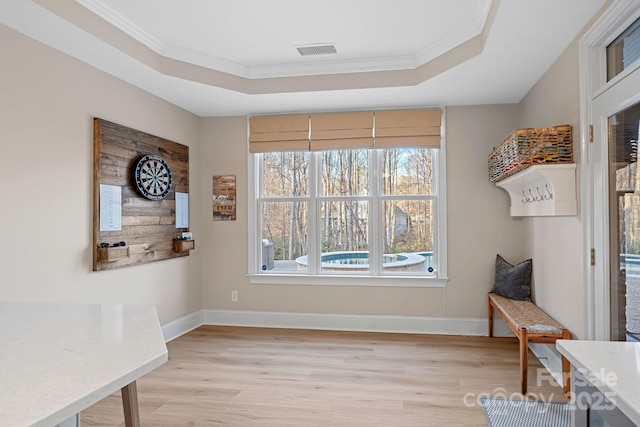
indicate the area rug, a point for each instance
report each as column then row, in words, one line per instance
column 501, row 412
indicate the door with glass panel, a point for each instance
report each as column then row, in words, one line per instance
column 624, row 224
column 616, row 211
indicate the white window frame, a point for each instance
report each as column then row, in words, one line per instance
column 440, row 237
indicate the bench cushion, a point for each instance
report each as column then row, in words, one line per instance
column 525, row 314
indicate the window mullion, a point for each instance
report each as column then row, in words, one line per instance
column 375, row 213
column 313, row 248
column 284, row 199
column 407, row 197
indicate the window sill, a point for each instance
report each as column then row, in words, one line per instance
column 344, row 280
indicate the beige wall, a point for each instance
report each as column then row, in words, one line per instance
column 46, row 109
column 479, row 223
column 479, row 227
column 47, row 104
column 555, row 243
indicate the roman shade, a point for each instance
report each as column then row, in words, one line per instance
column 341, row 131
column 408, row 128
column 335, row 131
column 279, row 133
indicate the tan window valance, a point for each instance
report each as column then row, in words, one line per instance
column 341, row 130
column 332, row 131
column 279, row 133
column 412, row 128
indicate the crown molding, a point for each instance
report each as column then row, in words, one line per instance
column 314, row 68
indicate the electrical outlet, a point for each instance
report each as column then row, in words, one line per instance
column 234, row 296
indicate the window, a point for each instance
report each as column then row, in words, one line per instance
column 368, row 215
column 623, row 51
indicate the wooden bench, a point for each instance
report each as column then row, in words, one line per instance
column 530, row 325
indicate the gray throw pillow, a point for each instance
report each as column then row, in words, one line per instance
column 513, row 281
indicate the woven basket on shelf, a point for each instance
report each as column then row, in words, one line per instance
column 532, row 146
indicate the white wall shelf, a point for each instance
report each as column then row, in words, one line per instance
column 542, row 190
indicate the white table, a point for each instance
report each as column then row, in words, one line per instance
column 57, row 359
column 606, row 375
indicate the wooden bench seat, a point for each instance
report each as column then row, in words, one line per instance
column 530, row 325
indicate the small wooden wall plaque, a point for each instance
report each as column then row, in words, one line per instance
column 148, row 227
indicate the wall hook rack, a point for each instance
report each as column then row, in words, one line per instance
column 542, row 190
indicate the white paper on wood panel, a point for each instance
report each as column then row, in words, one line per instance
column 110, row 208
column 182, row 210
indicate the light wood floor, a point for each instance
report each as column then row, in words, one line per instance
column 231, row 376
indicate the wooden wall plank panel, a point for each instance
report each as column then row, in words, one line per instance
column 145, row 220
column 148, row 226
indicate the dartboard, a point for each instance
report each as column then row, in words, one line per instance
column 152, row 177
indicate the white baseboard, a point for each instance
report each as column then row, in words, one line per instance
column 337, row 322
column 550, row 359
column 181, row 326
column 347, row 322
column 500, row 328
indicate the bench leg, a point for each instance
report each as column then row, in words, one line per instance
column 566, row 380
column 524, row 363
column 566, row 368
column 490, row 318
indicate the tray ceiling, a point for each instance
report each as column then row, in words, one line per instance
column 236, row 57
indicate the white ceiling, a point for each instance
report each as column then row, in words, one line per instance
column 239, row 57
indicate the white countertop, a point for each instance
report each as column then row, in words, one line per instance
column 612, row 367
column 57, row 359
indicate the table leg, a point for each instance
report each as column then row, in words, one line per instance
column 579, row 413
column 130, row 405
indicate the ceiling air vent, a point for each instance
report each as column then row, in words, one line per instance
column 317, row 49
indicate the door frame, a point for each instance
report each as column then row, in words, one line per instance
column 594, row 175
